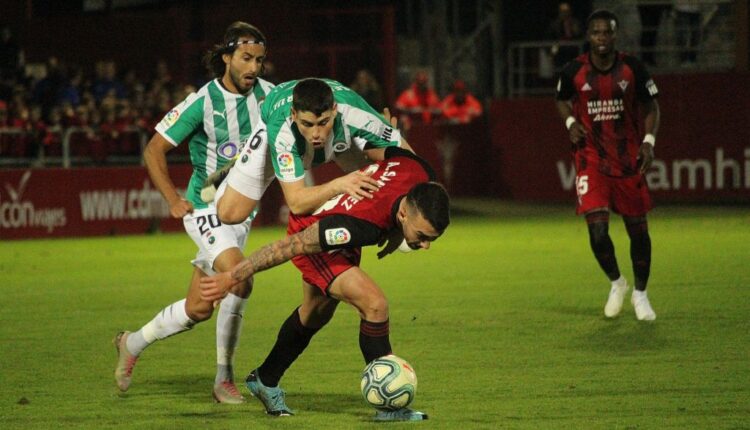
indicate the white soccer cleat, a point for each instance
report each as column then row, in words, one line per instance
column 616, row 298
column 125, row 361
column 643, row 310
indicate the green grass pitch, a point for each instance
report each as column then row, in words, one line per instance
column 502, row 319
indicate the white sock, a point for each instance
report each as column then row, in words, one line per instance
column 171, row 320
column 228, row 327
column 620, row 282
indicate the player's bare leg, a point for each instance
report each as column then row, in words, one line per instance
column 228, row 328
column 294, row 336
column 175, row 318
column 640, row 254
column 604, row 251
column 356, row 288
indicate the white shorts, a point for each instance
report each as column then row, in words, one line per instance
column 213, row 237
column 253, row 172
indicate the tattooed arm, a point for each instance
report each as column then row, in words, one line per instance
column 303, row 243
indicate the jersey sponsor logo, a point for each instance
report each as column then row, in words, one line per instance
column 171, row 117
column 585, row 87
column 286, row 163
column 337, row 236
column 651, row 87
column 341, row 146
column 603, row 110
column 228, row 150
column 387, row 133
column 623, row 84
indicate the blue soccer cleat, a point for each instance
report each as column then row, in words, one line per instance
column 403, row 414
column 271, row 397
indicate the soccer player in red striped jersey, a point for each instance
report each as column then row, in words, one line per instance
column 326, row 247
column 608, row 103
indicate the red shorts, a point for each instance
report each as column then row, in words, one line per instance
column 321, row 269
column 626, row 196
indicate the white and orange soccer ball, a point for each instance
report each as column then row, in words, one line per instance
column 389, row 383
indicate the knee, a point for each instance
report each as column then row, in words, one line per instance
column 375, row 308
column 199, row 312
column 317, row 313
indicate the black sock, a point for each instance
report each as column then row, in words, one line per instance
column 373, row 339
column 640, row 252
column 601, row 244
column 293, row 338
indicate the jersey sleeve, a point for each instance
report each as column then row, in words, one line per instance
column 368, row 128
column 645, row 88
column 286, row 158
column 183, row 120
column 342, row 231
column 565, row 86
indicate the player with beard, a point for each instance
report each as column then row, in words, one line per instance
column 607, row 101
column 214, row 122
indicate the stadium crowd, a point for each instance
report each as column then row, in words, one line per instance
column 104, row 113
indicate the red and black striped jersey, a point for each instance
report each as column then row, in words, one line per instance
column 606, row 103
column 346, row 222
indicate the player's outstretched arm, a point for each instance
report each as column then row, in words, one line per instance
column 303, row 243
column 305, row 200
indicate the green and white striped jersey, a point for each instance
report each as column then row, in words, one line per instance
column 215, row 123
column 356, row 127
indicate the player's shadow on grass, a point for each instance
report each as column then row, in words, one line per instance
column 337, row 403
column 625, row 335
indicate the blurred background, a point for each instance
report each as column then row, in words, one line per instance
column 83, row 84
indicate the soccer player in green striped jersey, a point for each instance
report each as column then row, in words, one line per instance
column 304, row 124
column 214, row 122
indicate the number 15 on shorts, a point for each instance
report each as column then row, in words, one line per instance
column 582, row 186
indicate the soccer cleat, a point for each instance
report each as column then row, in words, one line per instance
column 615, row 299
column 403, row 414
column 271, row 397
column 227, row 392
column 125, row 361
column 643, row 310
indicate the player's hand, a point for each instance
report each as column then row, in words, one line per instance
column 180, row 207
column 216, row 287
column 357, row 185
column 391, row 119
column 645, row 156
column 391, row 240
column 577, row 132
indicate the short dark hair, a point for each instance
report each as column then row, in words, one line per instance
column 605, row 15
column 432, row 201
column 234, row 33
column 312, row 95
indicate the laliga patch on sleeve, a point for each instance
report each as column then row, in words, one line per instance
column 286, row 164
column 337, row 236
column 171, row 117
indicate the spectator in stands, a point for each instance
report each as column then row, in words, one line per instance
column 418, row 103
column 106, row 83
column 565, row 28
column 687, row 28
column 460, row 106
column 368, row 87
column 47, row 90
column 650, row 21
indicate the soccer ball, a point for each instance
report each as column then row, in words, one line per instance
column 389, row 383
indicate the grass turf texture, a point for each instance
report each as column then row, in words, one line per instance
column 502, row 320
